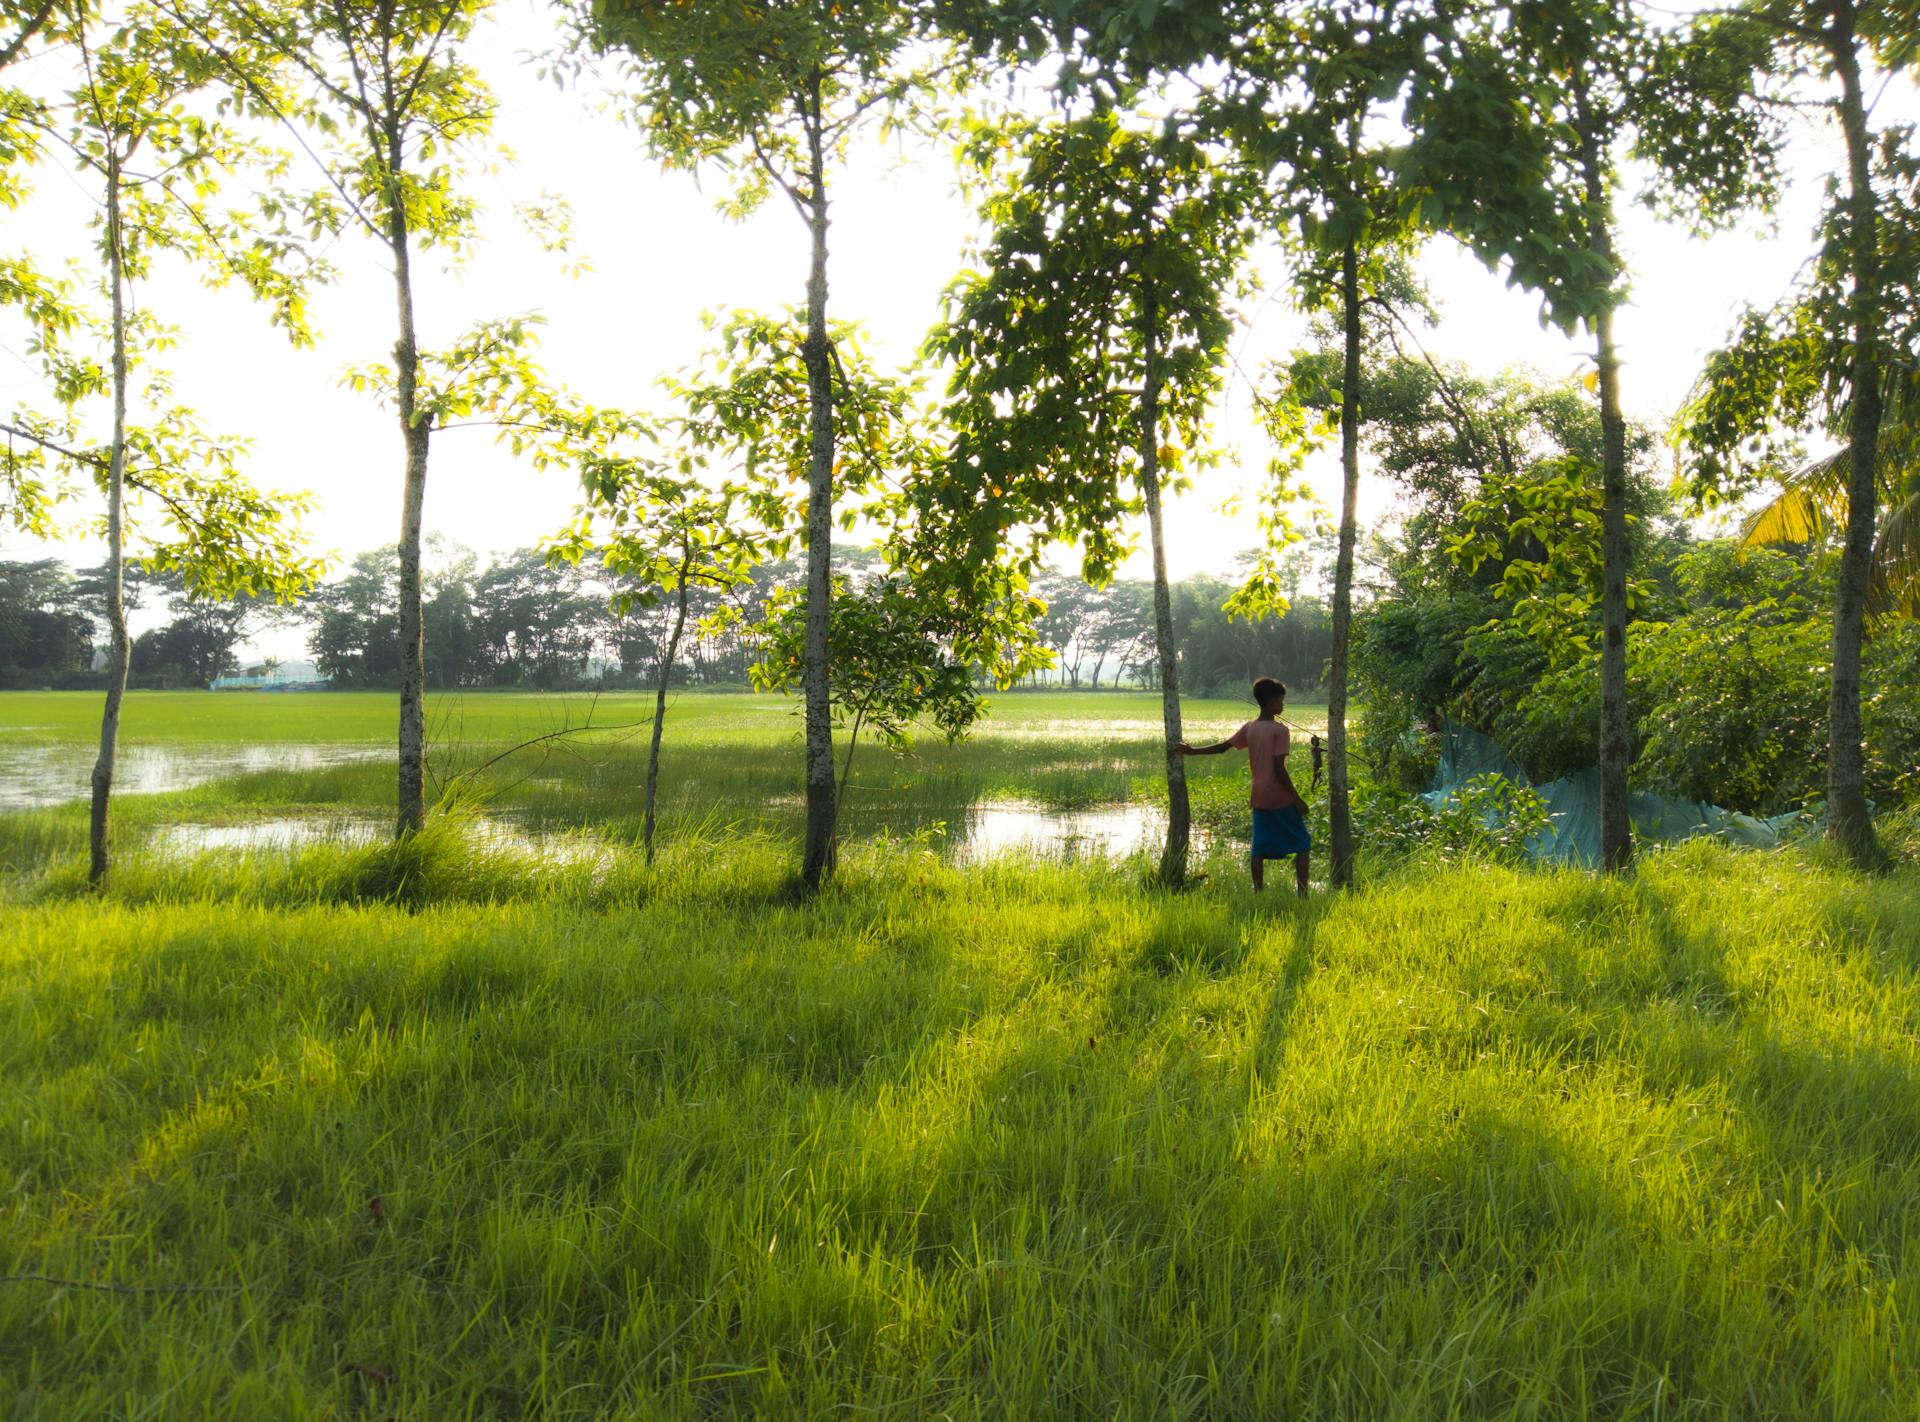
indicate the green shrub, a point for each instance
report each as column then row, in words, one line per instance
column 1489, row 817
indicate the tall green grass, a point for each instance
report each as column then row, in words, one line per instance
column 1027, row 1140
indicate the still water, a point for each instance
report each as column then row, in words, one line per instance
column 991, row 829
column 35, row 776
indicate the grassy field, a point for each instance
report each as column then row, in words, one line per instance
column 1027, row 1140
column 459, row 1130
column 729, row 761
column 493, row 717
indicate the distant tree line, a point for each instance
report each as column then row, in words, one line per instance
column 526, row 620
column 1104, row 637
column 54, row 628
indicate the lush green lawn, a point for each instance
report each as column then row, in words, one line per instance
column 1022, row 1141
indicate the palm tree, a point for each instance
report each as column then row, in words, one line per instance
column 1812, row 505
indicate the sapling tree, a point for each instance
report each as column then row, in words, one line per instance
column 894, row 665
column 663, row 528
column 1085, row 354
column 1840, row 351
column 398, row 120
column 1313, row 86
column 680, row 535
column 775, row 93
column 1522, row 119
column 153, row 160
column 727, row 484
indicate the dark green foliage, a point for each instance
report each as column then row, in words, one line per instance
column 892, row 661
column 1112, row 248
column 1726, row 683
column 43, row 635
column 1493, row 579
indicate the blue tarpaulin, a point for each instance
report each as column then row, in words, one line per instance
column 1572, row 835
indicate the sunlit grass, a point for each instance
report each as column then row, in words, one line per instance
column 491, row 717
column 502, row 1122
column 1024, row 1140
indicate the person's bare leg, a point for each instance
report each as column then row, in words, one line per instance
column 1300, row 867
column 1259, row 873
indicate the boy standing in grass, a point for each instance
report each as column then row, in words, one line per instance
column 1279, row 814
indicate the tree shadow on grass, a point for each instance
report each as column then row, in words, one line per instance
column 1791, row 1098
column 1135, row 1243
column 1289, row 988
column 875, row 1168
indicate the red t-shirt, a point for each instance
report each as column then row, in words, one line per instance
column 1266, row 744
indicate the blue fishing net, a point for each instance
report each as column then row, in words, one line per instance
column 1573, row 804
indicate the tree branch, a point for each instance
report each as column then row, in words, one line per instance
column 253, row 87
column 794, row 195
column 1448, row 395
column 32, row 28
column 77, row 456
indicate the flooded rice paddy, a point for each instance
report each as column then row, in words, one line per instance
column 36, row 776
column 283, row 833
column 990, row 829
column 42, row 776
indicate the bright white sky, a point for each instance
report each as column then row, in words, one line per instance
column 662, row 256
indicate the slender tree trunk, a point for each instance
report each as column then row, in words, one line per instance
column 819, row 854
column 660, row 704
column 1339, row 802
column 1616, row 820
column 1173, row 860
column 415, row 432
column 119, row 650
column 1848, row 822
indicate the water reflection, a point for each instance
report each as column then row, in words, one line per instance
column 274, row 835
column 1000, row 827
column 989, row 830
column 32, row 777
column 256, row 835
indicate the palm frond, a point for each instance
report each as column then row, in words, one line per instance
column 1895, row 588
column 1811, row 504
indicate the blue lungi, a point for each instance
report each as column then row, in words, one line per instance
column 1280, row 833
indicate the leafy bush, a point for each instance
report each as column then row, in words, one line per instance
column 1733, row 709
column 1489, row 817
column 1891, row 713
column 1398, row 751
column 1727, row 685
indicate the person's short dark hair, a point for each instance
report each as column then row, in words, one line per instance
column 1268, row 689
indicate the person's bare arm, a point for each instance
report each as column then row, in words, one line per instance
column 1217, row 748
